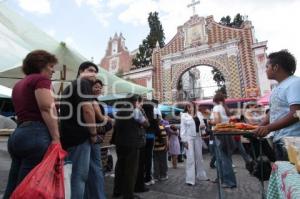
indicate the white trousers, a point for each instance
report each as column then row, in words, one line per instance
column 194, row 161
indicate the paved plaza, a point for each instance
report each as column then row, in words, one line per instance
column 174, row 187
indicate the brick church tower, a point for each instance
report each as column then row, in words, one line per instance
column 118, row 60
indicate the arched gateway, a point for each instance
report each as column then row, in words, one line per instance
column 201, row 41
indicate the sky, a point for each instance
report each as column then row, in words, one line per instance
column 87, row 25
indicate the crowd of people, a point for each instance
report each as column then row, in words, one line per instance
column 143, row 136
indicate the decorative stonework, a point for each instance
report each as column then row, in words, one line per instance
column 227, row 49
column 199, row 41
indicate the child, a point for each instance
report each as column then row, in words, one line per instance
column 160, row 155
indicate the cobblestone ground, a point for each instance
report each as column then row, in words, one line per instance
column 174, row 187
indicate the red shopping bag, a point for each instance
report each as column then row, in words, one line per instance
column 46, row 180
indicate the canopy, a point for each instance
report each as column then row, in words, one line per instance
column 264, row 100
column 167, row 108
column 227, row 101
column 18, row 37
column 5, row 92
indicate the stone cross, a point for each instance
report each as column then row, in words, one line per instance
column 193, row 4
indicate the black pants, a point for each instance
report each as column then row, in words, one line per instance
column 148, row 159
column 139, row 184
column 126, row 171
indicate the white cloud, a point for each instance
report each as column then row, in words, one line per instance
column 98, row 9
column 137, row 12
column 40, row 6
column 93, row 3
column 116, row 3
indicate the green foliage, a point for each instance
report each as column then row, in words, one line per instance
column 220, row 80
column 156, row 31
column 144, row 55
column 236, row 23
column 226, row 21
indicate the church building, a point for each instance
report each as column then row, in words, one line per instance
column 235, row 52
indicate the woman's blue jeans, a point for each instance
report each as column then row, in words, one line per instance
column 27, row 146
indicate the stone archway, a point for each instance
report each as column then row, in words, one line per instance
column 232, row 83
column 202, row 41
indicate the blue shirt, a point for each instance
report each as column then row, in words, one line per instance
column 287, row 93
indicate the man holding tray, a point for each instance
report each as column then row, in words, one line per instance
column 284, row 101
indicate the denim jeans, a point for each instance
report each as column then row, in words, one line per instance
column 243, row 152
column 85, row 171
column 27, row 146
column 224, row 159
column 80, row 157
column 227, row 173
column 95, row 184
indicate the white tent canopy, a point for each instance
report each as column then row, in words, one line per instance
column 5, row 92
column 18, row 37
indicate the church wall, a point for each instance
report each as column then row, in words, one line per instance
column 220, row 34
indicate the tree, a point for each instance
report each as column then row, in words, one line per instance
column 144, row 56
column 226, row 21
column 156, row 31
column 236, row 23
column 220, row 80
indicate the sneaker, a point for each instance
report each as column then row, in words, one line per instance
column 164, row 178
column 156, row 180
column 189, row 184
column 150, row 182
column 225, row 186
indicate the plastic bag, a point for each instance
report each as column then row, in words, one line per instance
column 46, row 180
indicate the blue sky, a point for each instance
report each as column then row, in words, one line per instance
column 87, row 24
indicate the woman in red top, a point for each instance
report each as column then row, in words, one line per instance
column 36, row 113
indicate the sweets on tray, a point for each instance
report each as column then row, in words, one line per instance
column 234, row 127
